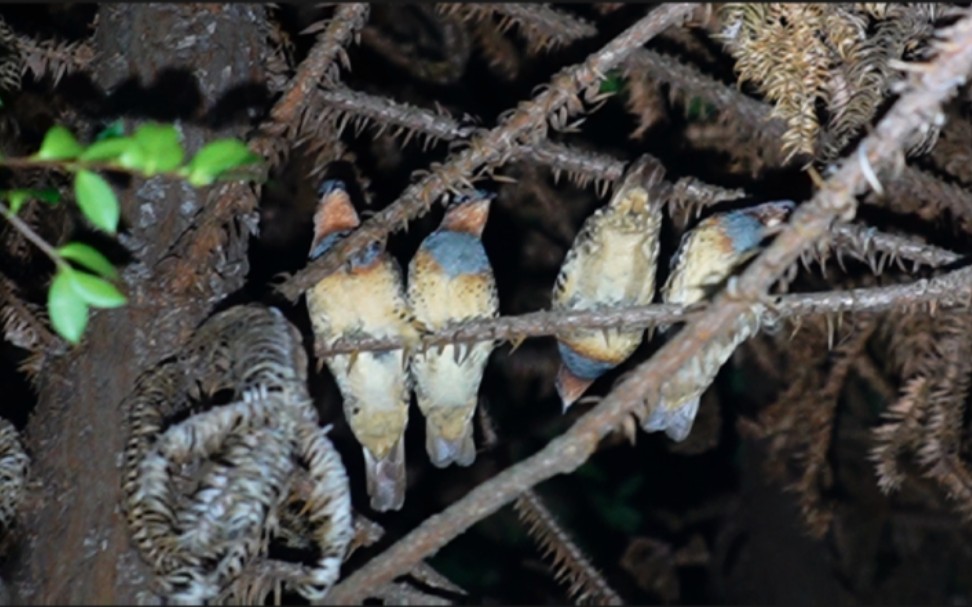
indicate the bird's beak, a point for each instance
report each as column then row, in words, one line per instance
column 570, row 387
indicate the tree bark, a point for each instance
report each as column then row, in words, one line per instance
column 76, row 548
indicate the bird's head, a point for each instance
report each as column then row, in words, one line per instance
column 467, row 212
column 747, row 228
column 334, row 218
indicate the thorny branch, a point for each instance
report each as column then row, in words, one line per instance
column 411, row 121
column 526, row 124
column 320, row 62
column 927, row 87
column 582, row 165
column 948, row 289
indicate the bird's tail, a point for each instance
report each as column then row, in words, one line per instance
column 445, row 451
column 676, row 421
column 386, row 478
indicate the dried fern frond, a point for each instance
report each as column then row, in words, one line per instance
column 11, row 62
column 953, row 154
column 571, row 567
column 804, row 55
column 24, row 325
column 54, row 58
column 14, row 464
column 436, row 49
column 798, row 427
column 818, row 431
column 500, row 54
column 542, row 26
column 941, row 442
column 901, row 431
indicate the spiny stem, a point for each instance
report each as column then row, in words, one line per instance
column 536, row 324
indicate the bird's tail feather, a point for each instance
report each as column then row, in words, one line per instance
column 386, row 478
column 443, row 451
column 676, row 422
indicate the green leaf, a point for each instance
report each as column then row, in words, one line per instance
column 160, row 146
column 88, row 257
column 59, row 144
column 20, row 197
column 611, row 84
column 217, row 157
column 96, row 291
column 48, row 195
column 17, row 199
column 97, row 200
column 108, row 149
column 113, row 130
column 68, row 312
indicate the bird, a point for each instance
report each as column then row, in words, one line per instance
column 706, row 257
column 612, row 262
column 365, row 298
column 450, row 280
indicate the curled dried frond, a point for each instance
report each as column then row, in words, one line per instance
column 11, row 62
column 585, row 585
column 205, row 496
column 14, row 465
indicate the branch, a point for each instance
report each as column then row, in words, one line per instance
column 948, row 288
column 411, row 120
column 929, row 85
column 526, row 124
column 319, row 66
column 29, row 233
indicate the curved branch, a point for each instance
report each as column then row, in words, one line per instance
column 929, row 85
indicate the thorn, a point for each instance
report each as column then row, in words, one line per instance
column 516, row 342
column 606, row 333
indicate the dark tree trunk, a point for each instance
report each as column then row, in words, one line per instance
column 76, row 548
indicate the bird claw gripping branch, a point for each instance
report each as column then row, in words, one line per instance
column 206, row 496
